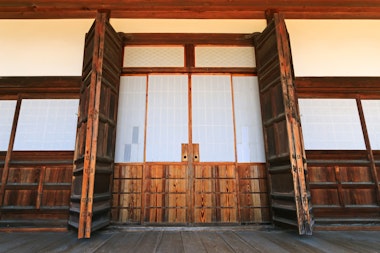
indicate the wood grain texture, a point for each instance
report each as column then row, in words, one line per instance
column 283, row 139
column 37, row 196
column 343, row 188
column 95, row 145
column 191, row 9
column 164, row 188
column 202, row 240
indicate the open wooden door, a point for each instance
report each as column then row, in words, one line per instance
column 90, row 206
column 285, row 153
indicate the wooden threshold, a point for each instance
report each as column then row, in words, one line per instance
column 44, row 229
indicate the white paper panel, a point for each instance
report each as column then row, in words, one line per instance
column 47, row 124
column 145, row 56
column 249, row 132
column 371, row 110
column 331, row 124
column 7, row 110
column 167, row 126
column 212, row 117
column 206, row 56
column 131, row 119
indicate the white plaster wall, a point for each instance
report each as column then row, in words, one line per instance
column 42, row 47
column 335, row 47
column 320, row 47
column 55, row 47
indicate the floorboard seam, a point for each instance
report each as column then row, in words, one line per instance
column 245, row 242
column 183, row 245
column 158, row 241
column 103, row 242
column 226, row 242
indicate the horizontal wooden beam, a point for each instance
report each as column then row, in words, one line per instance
column 187, row 38
column 211, row 9
column 40, row 86
column 193, row 70
column 338, row 87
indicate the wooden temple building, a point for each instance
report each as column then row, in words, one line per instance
column 189, row 113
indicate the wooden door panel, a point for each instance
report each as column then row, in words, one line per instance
column 94, row 155
column 282, row 132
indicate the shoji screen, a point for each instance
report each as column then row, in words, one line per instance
column 131, row 119
column 249, row 131
column 212, row 117
column 7, row 109
column 371, row 110
column 167, row 122
column 331, row 124
column 47, row 124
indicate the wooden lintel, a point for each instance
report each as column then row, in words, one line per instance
column 40, row 85
column 187, row 38
column 338, row 87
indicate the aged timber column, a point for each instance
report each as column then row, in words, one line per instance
column 284, row 147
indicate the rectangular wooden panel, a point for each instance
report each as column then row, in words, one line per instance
column 253, row 194
column 215, row 195
column 96, row 133
column 165, row 193
column 282, row 131
column 127, row 193
column 342, row 187
column 37, row 195
column 157, row 193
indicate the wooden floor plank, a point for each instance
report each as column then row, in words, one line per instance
column 237, row 243
column 344, row 243
column 256, row 240
column 148, row 242
column 41, row 242
column 74, row 245
column 191, row 240
column 370, row 237
column 17, row 240
column 192, row 243
column 171, row 242
column 120, row 242
column 288, row 241
column 363, row 238
column 214, row 243
column 315, row 243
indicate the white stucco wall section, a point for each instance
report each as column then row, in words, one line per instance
column 55, row 47
column 188, row 25
column 320, row 47
column 42, row 47
column 335, row 47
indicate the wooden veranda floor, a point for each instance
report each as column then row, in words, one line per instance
column 192, row 240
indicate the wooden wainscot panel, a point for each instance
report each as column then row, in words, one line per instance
column 127, row 193
column 254, row 204
column 343, row 189
column 215, row 193
column 165, row 193
column 35, row 195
